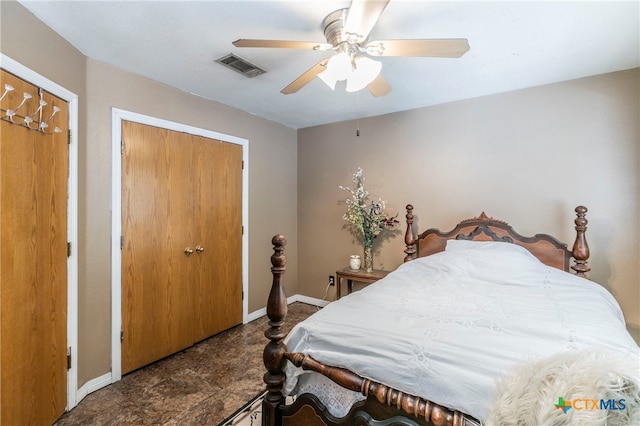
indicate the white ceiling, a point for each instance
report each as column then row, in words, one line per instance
column 514, row 45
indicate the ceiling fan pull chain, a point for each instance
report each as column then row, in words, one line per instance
column 358, row 121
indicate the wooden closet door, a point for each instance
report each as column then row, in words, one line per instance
column 33, row 262
column 157, row 274
column 218, row 230
column 179, row 192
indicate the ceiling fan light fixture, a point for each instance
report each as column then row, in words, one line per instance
column 365, row 70
column 328, row 79
column 338, row 68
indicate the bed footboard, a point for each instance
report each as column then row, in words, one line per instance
column 415, row 407
column 384, row 405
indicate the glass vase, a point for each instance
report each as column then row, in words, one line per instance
column 368, row 259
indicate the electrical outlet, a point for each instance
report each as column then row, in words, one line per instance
column 332, row 280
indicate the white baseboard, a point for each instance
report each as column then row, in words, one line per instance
column 92, row 386
column 256, row 314
column 295, row 298
column 308, row 300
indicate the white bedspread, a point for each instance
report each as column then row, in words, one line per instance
column 445, row 327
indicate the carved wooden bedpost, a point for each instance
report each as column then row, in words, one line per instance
column 580, row 247
column 409, row 238
column 273, row 353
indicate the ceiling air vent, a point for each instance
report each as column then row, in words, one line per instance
column 240, row 65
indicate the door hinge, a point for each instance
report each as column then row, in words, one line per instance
column 121, row 335
column 121, row 147
column 68, row 249
column 121, row 242
column 69, row 137
column 69, row 358
column 242, row 164
column 242, row 229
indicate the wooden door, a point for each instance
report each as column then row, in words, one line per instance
column 157, row 187
column 218, row 225
column 33, row 260
column 181, row 277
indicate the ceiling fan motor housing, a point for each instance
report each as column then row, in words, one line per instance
column 334, row 25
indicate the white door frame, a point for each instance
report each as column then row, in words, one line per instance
column 39, row 80
column 117, row 116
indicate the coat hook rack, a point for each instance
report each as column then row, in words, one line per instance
column 33, row 121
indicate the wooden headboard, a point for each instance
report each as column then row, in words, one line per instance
column 548, row 249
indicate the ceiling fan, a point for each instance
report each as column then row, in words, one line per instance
column 347, row 31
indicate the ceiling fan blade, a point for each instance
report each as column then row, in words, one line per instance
column 379, row 86
column 362, row 16
column 245, row 42
column 305, row 78
column 442, row 48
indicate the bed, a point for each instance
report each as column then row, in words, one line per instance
column 438, row 338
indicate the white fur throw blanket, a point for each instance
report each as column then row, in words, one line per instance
column 596, row 388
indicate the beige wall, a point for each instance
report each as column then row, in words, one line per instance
column 272, row 182
column 528, row 157
column 272, row 169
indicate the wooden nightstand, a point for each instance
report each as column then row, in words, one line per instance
column 359, row 275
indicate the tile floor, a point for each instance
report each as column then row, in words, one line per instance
column 201, row 385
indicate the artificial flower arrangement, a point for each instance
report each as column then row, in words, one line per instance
column 367, row 218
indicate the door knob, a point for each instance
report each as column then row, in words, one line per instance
column 188, row 251
column 199, row 249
